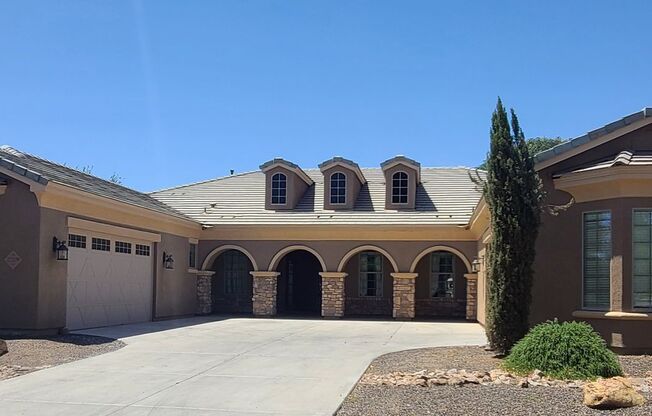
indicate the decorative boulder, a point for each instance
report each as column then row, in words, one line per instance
column 3, row 348
column 611, row 393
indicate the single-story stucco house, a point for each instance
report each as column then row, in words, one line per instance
column 399, row 240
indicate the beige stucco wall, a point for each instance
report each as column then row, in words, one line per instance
column 332, row 252
column 176, row 289
column 19, row 225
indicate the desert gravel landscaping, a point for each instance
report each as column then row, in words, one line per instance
column 32, row 354
column 372, row 398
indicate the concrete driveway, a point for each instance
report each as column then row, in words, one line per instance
column 230, row 366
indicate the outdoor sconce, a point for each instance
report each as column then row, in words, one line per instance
column 475, row 266
column 168, row 261
column 59, row 247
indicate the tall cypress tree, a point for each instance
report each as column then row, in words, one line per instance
column 513, row 194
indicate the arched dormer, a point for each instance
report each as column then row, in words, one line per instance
column 285, row 184
column 402, row 175
column 342, row 182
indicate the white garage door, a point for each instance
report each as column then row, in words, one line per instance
column 110, row 280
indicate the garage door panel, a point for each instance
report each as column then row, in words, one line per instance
column 108, row 288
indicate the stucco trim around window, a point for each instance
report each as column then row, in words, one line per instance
column 617, row 315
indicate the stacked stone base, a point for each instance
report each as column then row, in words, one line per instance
column 332, row 294
column 264, row 298
column 404, row 290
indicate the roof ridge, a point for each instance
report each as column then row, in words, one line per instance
column 202, row 182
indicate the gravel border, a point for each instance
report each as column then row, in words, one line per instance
column 504, row 400
column 32, row 354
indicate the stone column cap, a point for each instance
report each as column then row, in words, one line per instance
column 341, row 275
column 471, row 276
column 204, row 272
column 399, row 275
column 264, row 274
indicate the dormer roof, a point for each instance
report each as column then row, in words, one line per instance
column 267, row 166
column 402, row 160
column 349, row 164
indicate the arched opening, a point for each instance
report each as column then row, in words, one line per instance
column 232, row 284
column 440, row 290
column 298, row 286
column 368, row 286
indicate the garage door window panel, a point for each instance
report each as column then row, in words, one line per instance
column 122, row 247
column 101, row 244
column 76, row 241
column 142, row 250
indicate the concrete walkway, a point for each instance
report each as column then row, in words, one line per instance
column 230, row 366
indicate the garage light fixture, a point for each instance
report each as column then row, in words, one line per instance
column 168, row 261
column 59, row 247
column 475, row 266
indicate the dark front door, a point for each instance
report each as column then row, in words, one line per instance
column 300, row 284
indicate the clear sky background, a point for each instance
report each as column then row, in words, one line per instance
column 171, row 92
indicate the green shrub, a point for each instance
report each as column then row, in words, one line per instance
column 569, row 350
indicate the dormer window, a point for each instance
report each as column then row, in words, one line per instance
column 338, row 188
column 400, row 188
column 279, row 189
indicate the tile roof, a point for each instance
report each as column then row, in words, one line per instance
column 43, row 171
column 446, row 196
column 592, row 135
column 624, row 158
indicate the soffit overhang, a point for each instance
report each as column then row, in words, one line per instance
column 619, row 181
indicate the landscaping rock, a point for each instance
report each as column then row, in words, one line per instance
column 611, row 393
column 3, row 348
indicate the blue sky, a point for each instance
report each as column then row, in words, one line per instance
column 171, row 92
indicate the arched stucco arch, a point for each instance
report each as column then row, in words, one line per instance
column 216, row 252
column 278, row 256
column 432, row 249
column 360, row 249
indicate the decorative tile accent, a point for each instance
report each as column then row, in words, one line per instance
column 13, row 260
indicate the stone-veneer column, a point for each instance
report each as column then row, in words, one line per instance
column 471, row 296
column 204, row 292
column 332, row 294
column 403, row 295
column 264, row 298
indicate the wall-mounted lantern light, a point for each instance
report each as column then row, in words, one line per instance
column 59, row 247
column 168, row 261
column 475, row 265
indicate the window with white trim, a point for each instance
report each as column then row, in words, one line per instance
column 192, row 256
column 596, row 260
column 338, row 188
column 279, row 189
column 642, row 258
column 400, row 188
column 142, row 250
column 371, row 274
column 122, row 247
column 236, row 272
column 76, row 241
column 442, row 275
column 101, row 244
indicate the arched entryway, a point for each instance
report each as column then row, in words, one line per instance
column 368, row 286
column 232, row 284
column 298, row 285
column 440, row 287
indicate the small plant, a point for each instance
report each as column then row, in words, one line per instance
column 568, row 350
